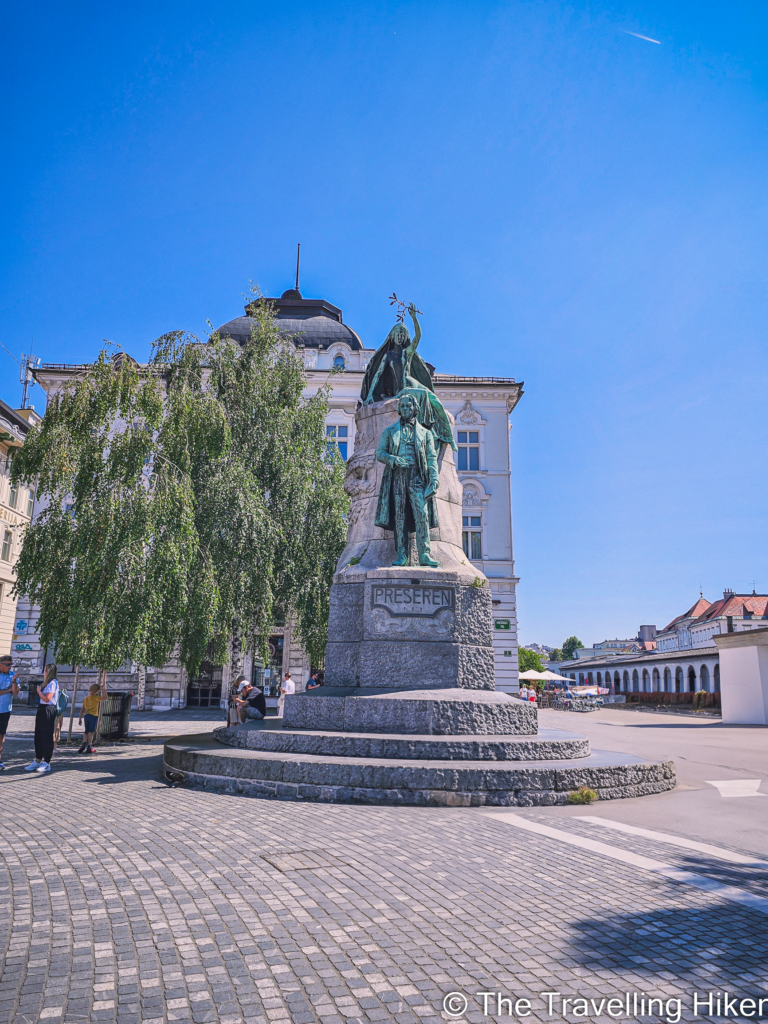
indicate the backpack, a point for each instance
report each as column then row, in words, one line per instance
column 62, row 702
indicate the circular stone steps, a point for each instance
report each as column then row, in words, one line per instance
column 547, row 745
column 205, row 762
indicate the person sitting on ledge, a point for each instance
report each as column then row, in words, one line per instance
column 251, row 703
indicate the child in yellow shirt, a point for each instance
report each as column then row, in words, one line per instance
column 90, row 712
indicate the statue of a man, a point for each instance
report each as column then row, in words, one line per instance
column 407, row 496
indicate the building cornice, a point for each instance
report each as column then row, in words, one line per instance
column 746, row 638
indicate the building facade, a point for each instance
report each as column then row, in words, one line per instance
column 695, row 628
column 686, row 658
column 481, row 407
column 16, row 507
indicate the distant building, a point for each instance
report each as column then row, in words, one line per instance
column 686, row 657
column 541, row 649
column 16, row 506
column 696, row 627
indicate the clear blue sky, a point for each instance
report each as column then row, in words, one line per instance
column 569, row 205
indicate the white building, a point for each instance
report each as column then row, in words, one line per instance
column 481, row 407
column 686, row 658
column 696, row 628
column 16, row 505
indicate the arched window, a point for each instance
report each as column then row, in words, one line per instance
column 655, row 684
column 691, row 679
column 626, row 682
column 339, row 362
column 616, row 682
column 678, row 680
column 667, row 681
column 599, row 679
column 717, row 678
column 635, row 682
column 646, row 681
column 581, row 678
column 704, row 677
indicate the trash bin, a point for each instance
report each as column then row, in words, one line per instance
column 115, row 716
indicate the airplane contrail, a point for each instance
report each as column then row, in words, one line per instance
column 638, row 36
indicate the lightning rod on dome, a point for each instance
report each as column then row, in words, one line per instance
column 298, row 256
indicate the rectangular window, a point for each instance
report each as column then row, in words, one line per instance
column 14, row 496
column 5, row 554
column 30, row 503
column 341, row 437
column 472, row 538
column 469, row 450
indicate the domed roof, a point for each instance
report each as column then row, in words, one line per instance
column 316, row 322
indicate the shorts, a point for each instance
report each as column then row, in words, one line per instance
column 90, row 722
column 4, row 717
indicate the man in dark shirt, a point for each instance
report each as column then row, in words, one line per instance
column 314, row 681
column 252, row 703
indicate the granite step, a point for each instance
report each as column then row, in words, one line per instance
column 547, row 745
column 204, row 762
column 447, row 711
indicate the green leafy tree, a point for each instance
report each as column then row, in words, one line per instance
column 529, row 660
column 569, row 648
column 183, row 502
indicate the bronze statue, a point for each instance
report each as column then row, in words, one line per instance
column 407, row 496
column 397, row 369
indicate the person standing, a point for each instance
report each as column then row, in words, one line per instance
column 288, row 687
column 523, row 692
column 90, row 712
column 8, row 690
column 314, row 680
column 45, row 721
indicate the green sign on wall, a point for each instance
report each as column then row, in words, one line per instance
column 501, row 624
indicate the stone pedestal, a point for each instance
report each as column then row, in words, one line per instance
column 411, row 627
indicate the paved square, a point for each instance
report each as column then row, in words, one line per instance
column 124, row 900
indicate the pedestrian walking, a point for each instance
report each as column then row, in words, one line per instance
column 45, row 721
column 523, row 692
column 8, row 690
column 288, row 687
column 89, row 714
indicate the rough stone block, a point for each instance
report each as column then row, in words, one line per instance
column 342, row 663
column 476, row 667
column 345, row 617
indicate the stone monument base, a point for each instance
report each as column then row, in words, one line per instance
column 381, row 757
column 410, row 627
column 263, row 759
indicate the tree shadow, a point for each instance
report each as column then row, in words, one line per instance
column 725, row 938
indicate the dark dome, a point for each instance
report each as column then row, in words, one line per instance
column 317, row 323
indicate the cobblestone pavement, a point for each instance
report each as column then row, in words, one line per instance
column 124, row 900
column 143, row 724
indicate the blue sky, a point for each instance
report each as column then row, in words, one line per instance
column 569, row 205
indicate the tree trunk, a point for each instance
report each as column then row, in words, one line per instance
column 141, row 696
column 74, row 698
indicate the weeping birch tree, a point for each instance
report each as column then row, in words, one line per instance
column 184, row 501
